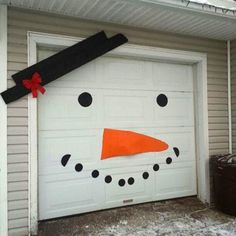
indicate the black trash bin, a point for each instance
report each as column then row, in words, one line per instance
column 224, row 183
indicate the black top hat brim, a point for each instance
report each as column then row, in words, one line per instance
column 63, row 62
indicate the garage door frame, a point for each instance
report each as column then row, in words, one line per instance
column 199, row 62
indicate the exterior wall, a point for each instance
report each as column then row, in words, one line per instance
column 233, row 90
column 19, row 22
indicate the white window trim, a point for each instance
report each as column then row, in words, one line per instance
column 199, row 60
column 3, row 122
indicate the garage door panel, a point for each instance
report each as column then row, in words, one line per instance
column 140, row 190
column 125, row 106
column 181, row 138
column 82, row 77
column 121, row 69
column 124, row 73
column 82, row 146
column 175, row 181
column 68, row 194
column 177, row 112
column 60, row 108
column 172, row 77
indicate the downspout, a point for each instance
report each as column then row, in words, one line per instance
column 229, row 96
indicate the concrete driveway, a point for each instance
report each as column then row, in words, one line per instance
column 185, row 216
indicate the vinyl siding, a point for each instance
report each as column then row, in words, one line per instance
column 233, row 90
column 19, row 22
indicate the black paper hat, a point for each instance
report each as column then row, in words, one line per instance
column 60, row 64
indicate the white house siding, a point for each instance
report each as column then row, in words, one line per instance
column 19, row 22
column 233, row 90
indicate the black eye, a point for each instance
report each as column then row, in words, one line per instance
column 162, row 100
column 85, row 99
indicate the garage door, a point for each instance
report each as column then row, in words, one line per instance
column 148, row 97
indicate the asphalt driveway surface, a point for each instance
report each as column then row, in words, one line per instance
column 179, row 217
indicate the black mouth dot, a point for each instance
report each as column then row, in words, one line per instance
column 95, row 173
column 108, row 179
column 156, row 167
column 131, row 181
column 65, row 159
column 168, row 160
column 121, row 182
column 145, row 175
column 176, row 150
column 78, row 167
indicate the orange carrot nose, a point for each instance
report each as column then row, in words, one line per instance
column 125, row 143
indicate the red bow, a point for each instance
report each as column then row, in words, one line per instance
column 34, row 84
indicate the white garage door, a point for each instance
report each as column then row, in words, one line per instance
column 118, row 93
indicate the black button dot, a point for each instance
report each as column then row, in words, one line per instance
column 162, row 100
column 121, row 182
column 156, row 167
column 145, row 175
column 65, row 159
column 108, row 179
column 176, row 150
column 168, row 160
column 78, row 167
column 85, row 99
column 131, row 181
column 95, row 173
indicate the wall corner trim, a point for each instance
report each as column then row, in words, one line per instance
column 3, row 123
column 229, row 95
column 32, row 149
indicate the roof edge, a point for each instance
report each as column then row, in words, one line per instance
column 194, row 5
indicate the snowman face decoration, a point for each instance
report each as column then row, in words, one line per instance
column 117, row 143
column 105, row 116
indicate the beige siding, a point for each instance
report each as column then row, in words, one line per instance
column 20, row 22
column 233, row 97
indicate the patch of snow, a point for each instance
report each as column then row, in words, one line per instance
column 226, row 4
column 123, row 222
